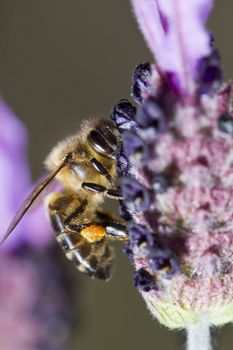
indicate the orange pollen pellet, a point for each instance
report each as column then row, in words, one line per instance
column 93, row 233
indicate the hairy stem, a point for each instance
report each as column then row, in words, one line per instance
column 198, row 337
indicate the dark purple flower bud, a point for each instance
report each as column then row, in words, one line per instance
column 141, row 81
column 144, row 281
column 128, row 251
column 210, row 73
column 225, row 123
column 142, row 75
column 136, row 196
column 123, row 115
column 164, row 262
column 160, row 184
column 136, row 93
column 123, row 165
column 136, row 150
column 140, row 239
column 150, row 118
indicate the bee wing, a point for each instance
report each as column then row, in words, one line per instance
column 31, row 198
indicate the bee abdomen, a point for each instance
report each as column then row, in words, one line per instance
column 76, row 249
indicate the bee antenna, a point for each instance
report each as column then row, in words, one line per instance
column 33, row 196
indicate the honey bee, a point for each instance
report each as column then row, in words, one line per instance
column 85, row 164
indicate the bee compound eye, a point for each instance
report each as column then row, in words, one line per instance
column 99, row 144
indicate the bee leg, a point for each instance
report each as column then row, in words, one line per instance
column 101, row 169
column 112, row 193
column 63, row 209
column 114, row 229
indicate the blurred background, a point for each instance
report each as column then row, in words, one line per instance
column 64, row 61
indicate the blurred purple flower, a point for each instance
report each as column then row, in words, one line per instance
column 36, row 300
column 15, row 184
column 36, row 290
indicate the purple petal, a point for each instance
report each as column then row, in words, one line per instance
column 175, row 33
column 14, row 173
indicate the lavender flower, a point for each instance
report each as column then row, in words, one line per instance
column 36, row 296
column 36, row 301
column 178, row 187
column 16, row 184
